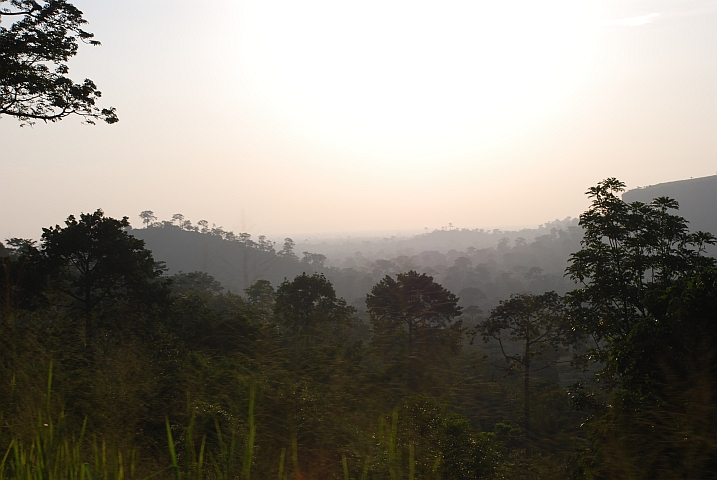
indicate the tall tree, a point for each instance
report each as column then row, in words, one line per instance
column 308, row 306
column 265, row 245
column 147, row 217
column 179, row 218
column 539, row 325
column 288, row 249
column 34, row 52
column 260, row 300
column 315, row 260
column 97, row 267
column 628, row 250
column 646, row 297
column 414, row 320
column 321, row 363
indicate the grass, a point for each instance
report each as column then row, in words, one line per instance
column 53, row 453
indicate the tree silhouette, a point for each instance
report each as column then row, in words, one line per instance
column 539, row 324
column 96, row 266
column 288, row 249
column 628, row 250
column 147, row 217
column 308, row 306
column 647, row 297
column 413, row 320
column 179, row 218
column 315, row 260
column 34, row 52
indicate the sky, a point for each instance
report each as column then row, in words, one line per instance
column 280, row 117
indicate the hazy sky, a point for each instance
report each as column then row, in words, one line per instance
column 297, row 117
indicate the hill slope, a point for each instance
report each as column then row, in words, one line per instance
column 697, row 198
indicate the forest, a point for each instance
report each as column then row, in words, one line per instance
column 491, row 265
column 480, row 363
column 583, row 349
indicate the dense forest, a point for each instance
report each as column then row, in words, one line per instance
column 480, row 267
column 583, row 352
column 583, row 349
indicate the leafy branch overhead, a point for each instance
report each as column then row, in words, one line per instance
column 34, row 51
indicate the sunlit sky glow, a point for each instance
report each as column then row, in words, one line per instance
column 317, row 117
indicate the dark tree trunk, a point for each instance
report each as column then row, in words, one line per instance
column 526, row 387
column 89, row 324
column 410, row 374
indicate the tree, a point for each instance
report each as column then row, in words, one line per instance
column 539, row 324
column 314, row 322
column 308, row 306
column 179, row 218
column 195, row 283
column 413, row 321
column 98, row 269
column 265, row 245
column 147, row 217
column 647, row 298
column 34, row 52
column 315, row 260
column 21, row 284
column 260, row 300
column 288, row 249
column 628, row 250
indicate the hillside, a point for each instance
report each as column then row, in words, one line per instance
column 524, row 261
column 697, row 198
column 235, row 265
column 480, row 266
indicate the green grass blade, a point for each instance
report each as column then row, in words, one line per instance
column 172, row 452
column 295, row 455
column 282, row 459
column 345, row 465
column 200, row 460
column 249, row 450
column 366, row 464
column 411, row 461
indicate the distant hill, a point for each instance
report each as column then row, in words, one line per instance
column 481, row 266
column 232, row 263
column 697, row 198
column 524, row 261
column 345, row 252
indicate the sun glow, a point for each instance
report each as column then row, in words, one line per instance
column 406, row 74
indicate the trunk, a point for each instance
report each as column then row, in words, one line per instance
column 245, row 265
column 410, row 380
column 526, row 387
column 88, row 313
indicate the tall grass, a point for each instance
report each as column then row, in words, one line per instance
column 222, row 465
column 55, row 454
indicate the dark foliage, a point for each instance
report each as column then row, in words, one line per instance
column 414, row 324
column 644, row 300
column 34, row 51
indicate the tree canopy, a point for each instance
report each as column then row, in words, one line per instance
column 308, row 305
column 646, row 298
column 93, row 262
column 34, row 51
column 539, row 325
column 414, row 318
column 628, row 250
